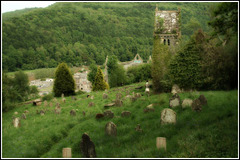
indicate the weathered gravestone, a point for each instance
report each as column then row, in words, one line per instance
column 73, row 112
column 50, row 104
column 16, row 122
column 187, row 103
column 108, row 114
column 42, row 113
column 118, row 103
column 45, row 103
column 126, row 114
column 149, row 108
column 175, row 89
column 92, row 97
column 37, row 102
column 118, row 96
column 91, row 104
column 84, row 113
column 26, row 111
column 203, row 99
column 111, row 129
column 57, row 110
column 168, row 116
column 87, row 147
column 127, row 92
column 62, row 95
column 138, row 128
column 15, row 113
column 57, row 104
column 105, row 96
column 63, row 100
column 67, row 152
column 55, row 100
column 99, row 115
column 174, row 101
column 24, row 116
column 138, row 95
column 74, row 98
column 196, row 105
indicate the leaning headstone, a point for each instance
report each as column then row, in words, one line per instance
column 67, row 152
column 24, row 116
column 138, row 128
column 196, row 105
column 149, row 108
column 92, row 97
column 203, row 99
column 161, row 143
column 37, row 102
column 63, row 100
column 174, row 101
column 87, row 147
column 45, row 103
column 111, row 129
column 91, row 104
column 168, row 116
column 62, row 95
column 105, row 96
column 187, row 103
column 108, row 114
column 99, row 115
column 16, row 122
column 118, row 103
column 57, row 104
column 73, row 112
column 175, row 89
column 125, row 114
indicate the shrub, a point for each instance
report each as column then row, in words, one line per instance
column 64, row 82
column 99, row 83
column 47, row 97
column 92, row 74
column 139, row 73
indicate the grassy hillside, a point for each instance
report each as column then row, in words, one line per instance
column 213, row 132
column 79, row 33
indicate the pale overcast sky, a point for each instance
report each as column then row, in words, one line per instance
column 7, row 6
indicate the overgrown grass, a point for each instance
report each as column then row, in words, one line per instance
column 213, row 132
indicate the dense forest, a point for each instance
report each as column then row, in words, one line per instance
column 82, row 33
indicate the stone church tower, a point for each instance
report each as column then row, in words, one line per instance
column 167, row 26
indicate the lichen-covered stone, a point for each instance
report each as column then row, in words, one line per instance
column 168, row 116
column 111, row 129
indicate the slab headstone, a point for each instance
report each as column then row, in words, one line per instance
column 126, row 114
column 37, row 102
column 108, row 114
column 15, row 113
column 161, row 143
column 174, row 101
column 168, row 116
column 62, row 95
column 24, row 116
column 109, row 105
column 63, row 100
column 91, row 104
column 57, row 104
column 203, row 99
column 105, row 96
column 16, row 122
column 138, row 95
column 196, row 105
column 87, row 147
column 73, row 112
column 50, row 104
column 67, row 152
column 111, row 129
column 92, row 97
column 99, row 115
column 187, row 103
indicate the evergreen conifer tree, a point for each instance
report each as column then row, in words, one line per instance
column 64, row 82
column 99, row 83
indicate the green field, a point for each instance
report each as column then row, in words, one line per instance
column 213, row 132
